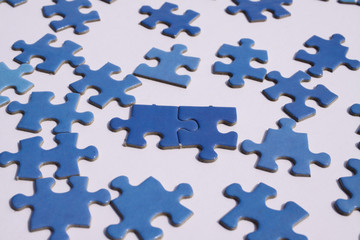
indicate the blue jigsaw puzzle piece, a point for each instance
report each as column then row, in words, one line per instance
column 254, row 9
column 109, row 89
column 14, row 3
column 355, row 111
column 39, row 109
column 291, row 87
column 138, row 205
column 330, row 54
column 350, row 1
column 72, row 17
column 59, row 211
column 13, row 79
column 240, row 67
column 169, row 62
column 175, row 23
column 53, row 57
column 284, row 143
column 270, row 224
column 31, row 156
column 207, row 137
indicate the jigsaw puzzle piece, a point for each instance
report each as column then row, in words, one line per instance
column 14, row 3
column 350, row 1
column 355, row 111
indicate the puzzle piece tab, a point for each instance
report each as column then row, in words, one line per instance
column 14, row 3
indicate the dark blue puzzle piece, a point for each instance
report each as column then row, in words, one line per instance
column 284, row 143
column 59, row 211
column 138, row 205
column 240, row 67
column 271, row 224
column 39, row 108
column 53, row 57
column 31, row 156
column 72, row 17
column 109, row 89
column 207, row 137
column 291, row 87
column 175, row 23
column 14, row 3
column 330, row 54
column 253, row 9
column 169, row 62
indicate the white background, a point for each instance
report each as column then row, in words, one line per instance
column 118, row 38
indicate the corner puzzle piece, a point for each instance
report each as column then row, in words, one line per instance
column 253, row 9
column 207, row 137
column 59, row 211
column 240, row 67
column 271, row 224
column 72, row 17
column 286, row 144
column 53, row 57
column 169, row 62
column 292, row 88
column 13, row 79
column 138, row 205
column 39, row 108
column 151, row 119
column 109, row 89
column 330, row 54
column 175, row 23
column 31, row 156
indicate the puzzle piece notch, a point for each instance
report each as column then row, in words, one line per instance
column 292, row 88
column 72, row 17
column 253, row 9
column 39, row 109
column 175, row 23
column 138, row 205
column 271, row 224
column 284, row 143
column 31, row 156
column 58, row 211
column 10, row 78
column 14, row 3
column 53, row 57
column 330, row 54
column 168, row 63
column 240, row 67
column 109, row 89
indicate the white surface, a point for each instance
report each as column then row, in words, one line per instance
column 118, row 38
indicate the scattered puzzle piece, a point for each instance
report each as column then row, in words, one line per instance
column 53, row 57
column 291, row 87
column 175, row 23
column 109, row 89
column 14, row 3
column 59, row 211
column 253, row 9
column 284, row 143
column 138, row 205
column 39, row 108
column 271, row 224
column 169, row 62
column 31, row 156
column 240, row 67
column 355, row 111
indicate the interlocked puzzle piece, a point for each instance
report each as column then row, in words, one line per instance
column 330, row 54
column 31, row 156
column 151, row 119
column 39, row 108
column 72, row 17
column 14, row 3
column 291, row 87
column 169, row 62
column 109, row 89
column 13, row 79
column 59, row 211
column 253, row 9
column 271, row 224
column 240, row 67
column 53, row 57
column 138, row 205
column 286, row 144
column 207, row 137
column 175, row 23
